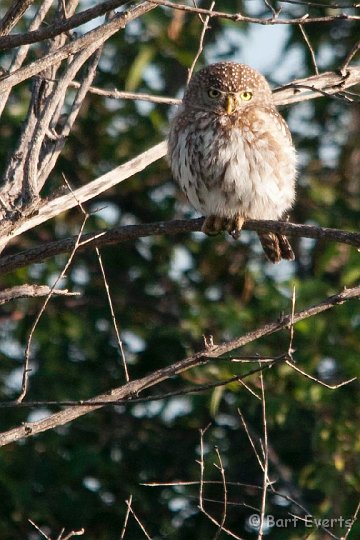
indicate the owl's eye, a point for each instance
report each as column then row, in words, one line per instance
column 213, row 93
column 246, row 96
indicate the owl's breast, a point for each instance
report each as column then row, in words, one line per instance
column 235, row 164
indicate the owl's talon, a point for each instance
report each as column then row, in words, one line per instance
column 212, row 225
column 234, row 226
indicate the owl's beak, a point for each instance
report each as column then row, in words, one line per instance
column 230, row 103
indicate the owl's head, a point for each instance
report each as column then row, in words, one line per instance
column 227, row 87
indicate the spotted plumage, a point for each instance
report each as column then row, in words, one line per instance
column 231, row 152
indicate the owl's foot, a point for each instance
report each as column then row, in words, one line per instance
column 276, row 247
column 234, row 226
column 213, row 225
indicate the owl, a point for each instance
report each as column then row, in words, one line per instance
column 231, row 153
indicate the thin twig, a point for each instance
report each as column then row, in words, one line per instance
column 137, row 519
column 322, row 383
column 238, row 17
column 225, row 501
column 266, row 481
column 107, row 289
column 201, row 462
column 312, row 53
column 99, row 35
column 275, row 13
column 202, row 466
column 26, row 370
column 122, row 536
column 131, row 399
column 353, row 519
column 119, row 94
column 39, row 530
column 113, row 316
column 291, row 326
column 201, row 42
column 53, row 30
column 250, row 390
column 48, row 162
column 135, row 387
column 247, row 431
column 355, row 49
column 80, row 532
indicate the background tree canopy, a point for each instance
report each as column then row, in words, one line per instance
column 170, row 293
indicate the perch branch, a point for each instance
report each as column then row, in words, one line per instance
column 329, row 83
column 133, row 388
column 98, row 239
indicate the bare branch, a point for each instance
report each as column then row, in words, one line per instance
column 26, row 370
column 291, row 329
column 251, row 440
column 223, row 479
column 153, row 397
column 80, row 532
column 127, row 233
column 21, row 54
column 55, row 206
column 13, row 15
column 315, row 379
column 113, row 317
column 9, row 42
column 332, row 83
column 326, row 84
column 39, row 530
column 237, row 17
column 136, row 518
column 266, row 481
column 312, row 53
column 353, row 519
column 349, row 57
column 128, row 504
column 201, row 462
column 99, row 36
column 31, row 291
column 50, row 156
column 201, row 43
column 135, row 387
column 119, row 94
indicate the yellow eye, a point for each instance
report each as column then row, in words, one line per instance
column 213, row 93
column 246, row 96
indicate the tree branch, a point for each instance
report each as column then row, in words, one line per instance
column 13, row 14
column 15, row 40
column 21, row 53
column 134, row 387
column 237, row 17
column 329, row 82
column 31, row 291
column 128, row 233
column 99, row 35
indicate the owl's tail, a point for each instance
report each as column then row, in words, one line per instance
column 276, row 247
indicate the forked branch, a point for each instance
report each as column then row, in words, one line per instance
column 135, row 387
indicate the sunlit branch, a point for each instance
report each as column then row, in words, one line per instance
column 135, row 387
